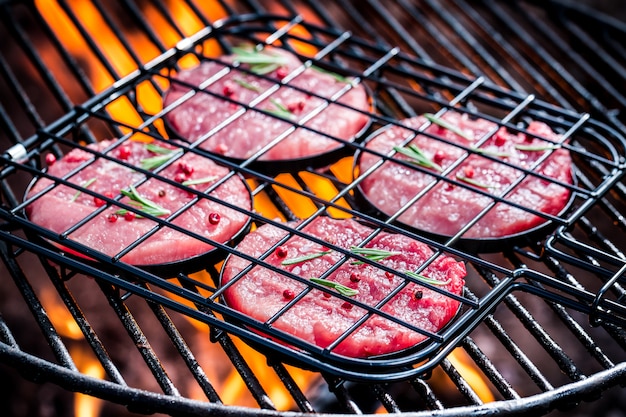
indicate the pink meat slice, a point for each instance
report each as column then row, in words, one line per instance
column 61, row 208
column 320, row 319
column 193, row 118
column 445, row 209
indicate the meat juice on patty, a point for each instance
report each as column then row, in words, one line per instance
column 320, row 318
column 114, row 229
column 241, row 138
column 446, row 208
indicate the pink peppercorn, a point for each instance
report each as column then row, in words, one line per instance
column 50, row 159
column 214, row 218
column 185, row 168
column 288, row 294
column 228, row 90
column 124, row 152
column 281, row 73
column 281, row 251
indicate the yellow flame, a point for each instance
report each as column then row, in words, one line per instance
column 466, row 368
column 60, row 317
column 85, row 405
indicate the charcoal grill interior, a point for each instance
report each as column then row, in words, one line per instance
column 540, row 329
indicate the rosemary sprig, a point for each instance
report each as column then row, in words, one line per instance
column 536, row 148
column 447, row 125
column 336, row 76
column 473, row 182
column 340, row 288
column 200, row 180
column 418, row 156
column 243, row 83
column 261, row 62
column 164, row 155
column 280, row 110
column 372, row 254
column 158, row 149
column 142, row 203
column 492, row 153
column 426, row 279
column 305, row 258
column 85, row 184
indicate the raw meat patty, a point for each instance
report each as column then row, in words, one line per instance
column 63, row 207
column 319, row 318
column 446, row 208
column 243, row 137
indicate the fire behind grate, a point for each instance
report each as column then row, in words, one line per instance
column 596, row 149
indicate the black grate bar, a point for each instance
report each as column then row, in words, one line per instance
column 515, row 350
column 32, row 52
column 89, row 40
column 21, row 95
column 616, row 332
column 338, row 387
column 248, row 376
column 141, row 342
column 501, row 41
column 141, row 22
column 554, row 63
column 566, row 364
column 426, row 392
column 386, row 399
column 6, row 335
column 460, row 382
column 52, row 337
column 495, row 377
column 8, row 127
column 90, row 336
column 77, row 71
column 298, row 396
column 237, row 359
column 184, row 351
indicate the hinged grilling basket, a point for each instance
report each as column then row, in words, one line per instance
column 566, row 263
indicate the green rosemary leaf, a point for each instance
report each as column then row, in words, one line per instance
column 473, row 182
column 340, row 288
column 280, row 109
column 492, row 153
column 447, row 125
column 85, row 184
column 536, row 148
column 158, row 149
column 426, row 279
column 418, row 157
column 200, row 180
column 164, row 155
column 246, row 85
column 262, row 69
column 305, row 258
column 372, row 254
column 142, row 203
column 261, row 62
column 336, row 76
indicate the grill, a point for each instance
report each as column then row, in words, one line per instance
column 540, row 323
